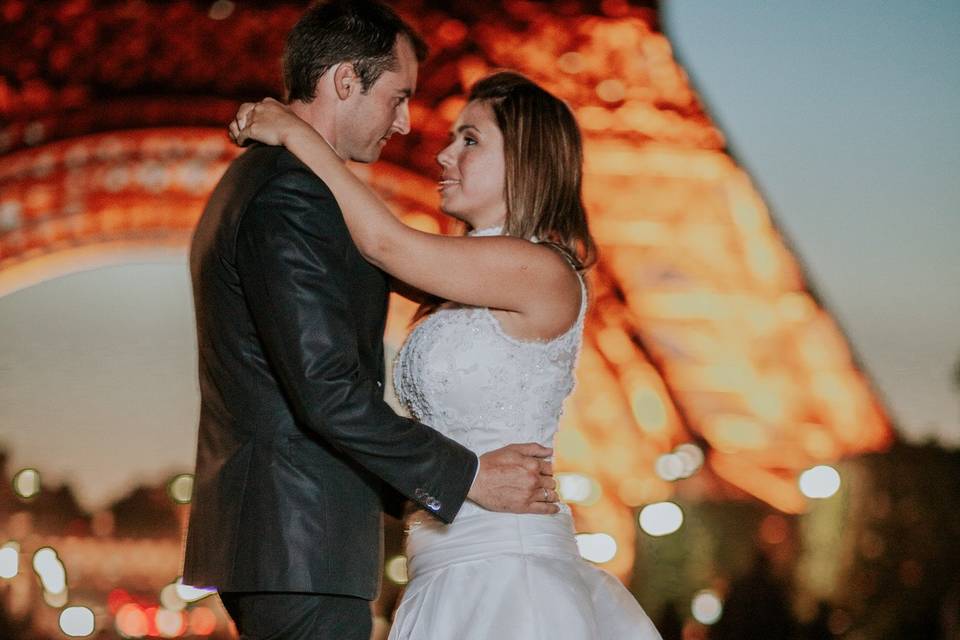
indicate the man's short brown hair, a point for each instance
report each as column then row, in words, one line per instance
column 361, row 32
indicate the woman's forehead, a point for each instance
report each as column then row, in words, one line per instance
column 477, row 114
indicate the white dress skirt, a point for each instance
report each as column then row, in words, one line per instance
column 497, row 576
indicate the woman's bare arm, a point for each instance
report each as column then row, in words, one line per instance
column 498, row 272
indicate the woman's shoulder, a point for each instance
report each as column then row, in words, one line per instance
column 559, row 300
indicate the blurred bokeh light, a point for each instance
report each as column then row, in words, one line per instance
column 77, row 622
column 597, row 547
column 661, row 518
column 27, row 483
column 820, row 482
column 706, row 607
column 181, row 488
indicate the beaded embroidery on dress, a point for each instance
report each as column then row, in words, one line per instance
column 495, row 575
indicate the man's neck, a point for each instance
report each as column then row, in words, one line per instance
column 322, row 120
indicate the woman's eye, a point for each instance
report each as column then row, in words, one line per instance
column 467, row 141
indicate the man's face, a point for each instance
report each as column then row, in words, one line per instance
column 371, row 118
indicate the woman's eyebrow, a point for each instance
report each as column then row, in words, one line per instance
column 462, row 128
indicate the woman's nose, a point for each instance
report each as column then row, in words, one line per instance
column 444, row 158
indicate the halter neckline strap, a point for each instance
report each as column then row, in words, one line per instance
column 489, row 231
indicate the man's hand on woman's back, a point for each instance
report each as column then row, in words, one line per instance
column 517, row 478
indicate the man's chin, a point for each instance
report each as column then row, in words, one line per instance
column 366, row 157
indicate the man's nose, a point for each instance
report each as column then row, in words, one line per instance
column 402, row 122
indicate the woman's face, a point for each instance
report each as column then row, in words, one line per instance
column 472, row 182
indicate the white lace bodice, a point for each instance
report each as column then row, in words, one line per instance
column 460, row 373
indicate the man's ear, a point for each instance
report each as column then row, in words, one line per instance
column 345, row 80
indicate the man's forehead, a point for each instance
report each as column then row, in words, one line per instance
column 403, row 79
column 408, row 62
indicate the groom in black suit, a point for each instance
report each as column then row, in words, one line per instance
column 297, row 453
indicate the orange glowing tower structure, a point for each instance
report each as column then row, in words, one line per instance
column 704, row 328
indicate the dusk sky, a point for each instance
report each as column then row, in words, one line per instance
column 846, row 114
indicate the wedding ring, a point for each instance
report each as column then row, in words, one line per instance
column 546, row 495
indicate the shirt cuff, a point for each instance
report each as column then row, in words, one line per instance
column 475, row 473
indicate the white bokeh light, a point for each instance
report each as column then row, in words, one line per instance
column 170, row 624
column 9, row 560
column 577, row 488
column 396, row 570
column 820, row 482
column 27, row 483
column 691, row 456
column 661, row 518
column 669, row 467
column 77, row 622
column 55, row 581
column 43, row 559
column 181, row 488
column 170, row 598
column 683, row 462
column 597, row 547
column 50, row 569
column 706, row 607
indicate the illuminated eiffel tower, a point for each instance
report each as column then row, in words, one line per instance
column 704, row 328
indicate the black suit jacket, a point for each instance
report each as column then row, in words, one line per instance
column 296, row 447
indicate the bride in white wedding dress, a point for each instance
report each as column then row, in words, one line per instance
column 493, row 364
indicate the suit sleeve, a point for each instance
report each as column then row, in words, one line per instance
column 291, row 249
